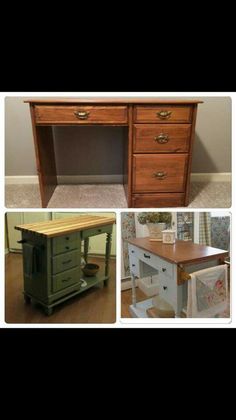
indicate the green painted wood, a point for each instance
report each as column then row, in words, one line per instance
column 65, row 243
column 86, row 248
column 65, row 279
column 50, row 284
column 96, row 231
column 65, row 261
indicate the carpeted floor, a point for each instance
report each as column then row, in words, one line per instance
column 212, row 195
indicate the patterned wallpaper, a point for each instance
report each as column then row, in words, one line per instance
column 220, row 232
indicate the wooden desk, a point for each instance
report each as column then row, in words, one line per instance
column 158, row 152
column 172, row 263
column 52, row 257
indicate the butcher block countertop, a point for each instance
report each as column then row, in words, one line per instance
column 66, row 225
column 182, row 252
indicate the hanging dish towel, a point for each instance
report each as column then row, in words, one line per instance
column 32, row 259
column 208, row 292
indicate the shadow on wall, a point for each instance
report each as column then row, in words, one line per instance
column 201, row 154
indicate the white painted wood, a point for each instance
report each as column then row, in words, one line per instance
column 140, row 310
column 127, row 284
column 96, row 243
column 211, row 177
column 133, row 289
column 110, row 179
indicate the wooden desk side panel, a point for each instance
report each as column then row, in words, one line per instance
column 128, row 159
column 45, row 159
column 187, row 187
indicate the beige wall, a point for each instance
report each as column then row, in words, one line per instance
column 212, row 148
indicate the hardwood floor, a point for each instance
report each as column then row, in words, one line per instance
column 126, row 301
column 96, row 305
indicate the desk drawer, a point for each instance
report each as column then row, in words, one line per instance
column 168, row 290
column 159, row 173
column 158, row 200
column 65, row 243
column 164, row 267
column 65, row 279
column 60, row 114
column 163, row 114
column 65, row 261
column 96, row 231
column 161, row 138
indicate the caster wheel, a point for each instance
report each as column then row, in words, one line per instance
column 27, row 299
column 48, row 311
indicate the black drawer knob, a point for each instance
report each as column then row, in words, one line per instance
column 132, row 251
column 164, row 269
column 67, row 247
column 99, row 230
column 133, row 265
column 146, row 256
column 164, row 287
column 67, row 238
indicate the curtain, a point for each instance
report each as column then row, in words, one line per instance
column 205, row 228
column 128, row 231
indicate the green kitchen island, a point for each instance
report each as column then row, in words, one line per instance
column 52, row 258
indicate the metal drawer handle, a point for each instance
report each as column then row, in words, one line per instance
column 164, row 269
column 66, row 262
column 164, row 114
column 99, row 230
column 133, row 265
column 67, row 238
column 68, row 278
column 81, row 115
column 132, row 251
column 164, row 287
column 146, row 256
column 162, row 138
column 67, row 247
column 160, row 175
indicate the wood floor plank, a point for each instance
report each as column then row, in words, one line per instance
column 96, row 305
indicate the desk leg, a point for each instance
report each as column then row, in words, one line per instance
column 133, row 289
column 107, row 257
column 86, row 248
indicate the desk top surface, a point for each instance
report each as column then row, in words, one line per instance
column 66, row 225
column 179, row 253
column 112, row 100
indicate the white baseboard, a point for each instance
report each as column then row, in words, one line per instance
column 211, row 177
column 21, row 179
column 67, row 179
column 90, row 179
column 110, row 179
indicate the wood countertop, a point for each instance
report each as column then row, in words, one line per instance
column 113, row 100
column 66, row 225
column 182, row 252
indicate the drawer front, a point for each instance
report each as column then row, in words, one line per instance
column 65, row 279
column 60, row 114
column 96, row 231
column 161, row 138
column 164, row 267
column 158, row 200
column 65, row 243
column 163, row 114
column 65, row 261
column 159, row 173
column 168, row 290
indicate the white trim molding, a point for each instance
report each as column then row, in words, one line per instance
column 67, row 179
column 211, row 177
column 110, row 179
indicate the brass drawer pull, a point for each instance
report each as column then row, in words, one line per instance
column 66, row 262
column 160, row 175
column 162, row 138
column 68, row 278
column 164, row 114
column 82, row 115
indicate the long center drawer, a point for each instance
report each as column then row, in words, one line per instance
column 159, row 173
